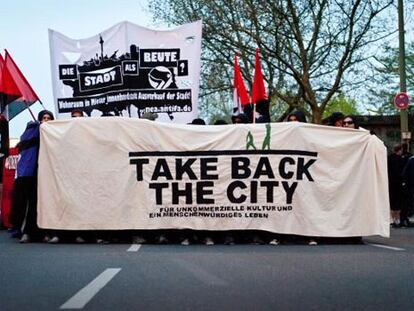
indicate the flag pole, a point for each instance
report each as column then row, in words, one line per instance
column 41, row 103
column 30, row 110
column 254, row 113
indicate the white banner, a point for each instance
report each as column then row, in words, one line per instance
column 128, row 70
column 120, row 173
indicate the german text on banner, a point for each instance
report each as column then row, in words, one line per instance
column 121, row 173
column 128, row 70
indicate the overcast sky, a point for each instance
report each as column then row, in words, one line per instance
column 24, row 33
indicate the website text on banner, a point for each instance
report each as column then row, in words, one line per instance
column 284, row 177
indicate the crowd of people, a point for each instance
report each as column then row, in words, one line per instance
column 23, row 213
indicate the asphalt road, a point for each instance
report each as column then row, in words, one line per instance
column 241, row 277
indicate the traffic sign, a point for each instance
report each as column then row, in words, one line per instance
column 401, row 101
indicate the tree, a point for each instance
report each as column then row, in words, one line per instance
column 385, row 83
column 306, row 46
column 347, row 106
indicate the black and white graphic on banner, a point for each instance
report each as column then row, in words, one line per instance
column 145, row 78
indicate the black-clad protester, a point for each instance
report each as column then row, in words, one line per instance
column 336, row 119
column 240, row 118
column 220, row 122
column 395, row 188
column 296, row 115
column 408, row 180
column 406, row 202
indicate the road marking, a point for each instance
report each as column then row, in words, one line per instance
column 201, row 274
column 387, row 247
column 134, row 248
column 82, row 297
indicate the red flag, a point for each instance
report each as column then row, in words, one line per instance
column 28, row 95
column 240, row 95
column 8, row 88
column 258, row 88
column 16, row 83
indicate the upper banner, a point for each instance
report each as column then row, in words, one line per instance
column 128, row 70
column 120, row 173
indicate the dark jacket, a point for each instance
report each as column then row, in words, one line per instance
column 408, row 175
column 28, row 151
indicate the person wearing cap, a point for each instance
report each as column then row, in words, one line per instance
column 24, row 201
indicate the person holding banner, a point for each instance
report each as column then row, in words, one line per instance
column 335, row 119
column 76, row 113
column 24, row 201
column 350, row 122
column 296, row 115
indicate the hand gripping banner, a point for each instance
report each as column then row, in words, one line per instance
column 282, row 177
column 128, row 70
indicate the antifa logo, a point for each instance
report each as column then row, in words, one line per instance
column 160, row 77
column 142, row 77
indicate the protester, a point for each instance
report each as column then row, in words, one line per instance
column 395, row 169
column 408, row 183
column 239, row 119
column 24, row 203
column 187, row 237
column 76, row 113
column 335, row 119
column 79, row 237
column 350, row 122
column 220, row 122
column 406, row 202
column 198, row 121
column 296, row 115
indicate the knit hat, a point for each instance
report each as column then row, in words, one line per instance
column 42, row 113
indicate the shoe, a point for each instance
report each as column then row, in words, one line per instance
column 312, row 242
column 162, row 239
column 25, row 238
column 404, row 223
column 274, row 242
column 136, row 239
column 228, row 240
column 79, row 240
column 101, row 241
column 185, row 242
column 15, row 233
column 54, row 240
column 46, row 239
column 208, row 241
column 256, row 240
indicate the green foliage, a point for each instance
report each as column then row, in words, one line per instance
column 342, row 104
